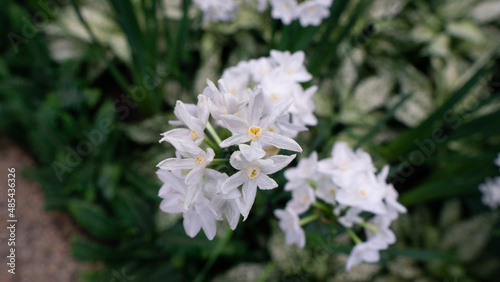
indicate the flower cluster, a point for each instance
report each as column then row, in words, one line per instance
column 346, row 188
column 218, row 10
column 308, row 13
column 491, row 189
column 261, row 121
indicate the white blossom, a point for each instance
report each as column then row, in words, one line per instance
column 200, row 214
column 366, row 251
column 289, row 222
column 291, row 66
column 301, row 200
column 285, row 10
column 194, row 134
column 312, row 13
column 491, row 192
column 253, row 173
column 255, row 129
column 197, row 161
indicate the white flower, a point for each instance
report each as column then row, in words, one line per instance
column 222, row 102
column 345, row 165
column 256, row 130
column 367, row 251
column 350, row 217
column 497, row 160
column 302, row 109
column 259, row 68
column 312, row 13
column 284, row 10
column 196, row 125
column 252, row 174
column 291, row 66
column 197, row 215
column 218, row 10
column 290, row 224
column 301, row 200
column 491, row 192
column 325, row 188
column 197, row 161
column 223, row 203
column 364, row 192
column 394, row 208
column 237, row 80
column 300, row 175
column 381, row 231
column 276, row 89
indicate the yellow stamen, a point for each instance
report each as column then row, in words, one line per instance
column 254, row 133
column 194, row 136
column 199, row 161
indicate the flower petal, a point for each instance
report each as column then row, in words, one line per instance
column 234, row 140
column 279, row 161
column 280, row 141
column 234, row 124
column 276, row 113
column 174, row 163
column 255, row 107
column 249, row 192
column 251, row 153
column 265, row 182
column 192, row 223
column 234, row 181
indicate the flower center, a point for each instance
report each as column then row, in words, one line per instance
column 331, row 191
column 254, row 133
column 363, row 191
column 274, row 97
column 343, row 165
column 253, row 171
column 200, row 160
column 194, row 136
column 305, row 198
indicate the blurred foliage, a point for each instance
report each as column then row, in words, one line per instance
column 88, row 88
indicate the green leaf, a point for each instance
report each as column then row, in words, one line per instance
column 94, row 219
column 422, row 255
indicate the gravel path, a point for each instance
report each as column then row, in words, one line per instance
column 42, row 238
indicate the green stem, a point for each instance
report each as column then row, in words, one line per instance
column 353, row 235
column 213, row 133
column 214, row 255
column 368, row 226
column 312, row 183
column 308, row 219
column 322, row 207
column 212, row 145
column 218, row 161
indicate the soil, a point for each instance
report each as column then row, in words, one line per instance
column 42, row 239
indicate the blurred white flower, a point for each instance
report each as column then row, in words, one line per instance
column 218, row 10
column 312, row 13
column 366, row 251
column 301, row 200
column 291, row 66
column 290, row 224
column 285, row 10
column 345, row 164
column 491, row 192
